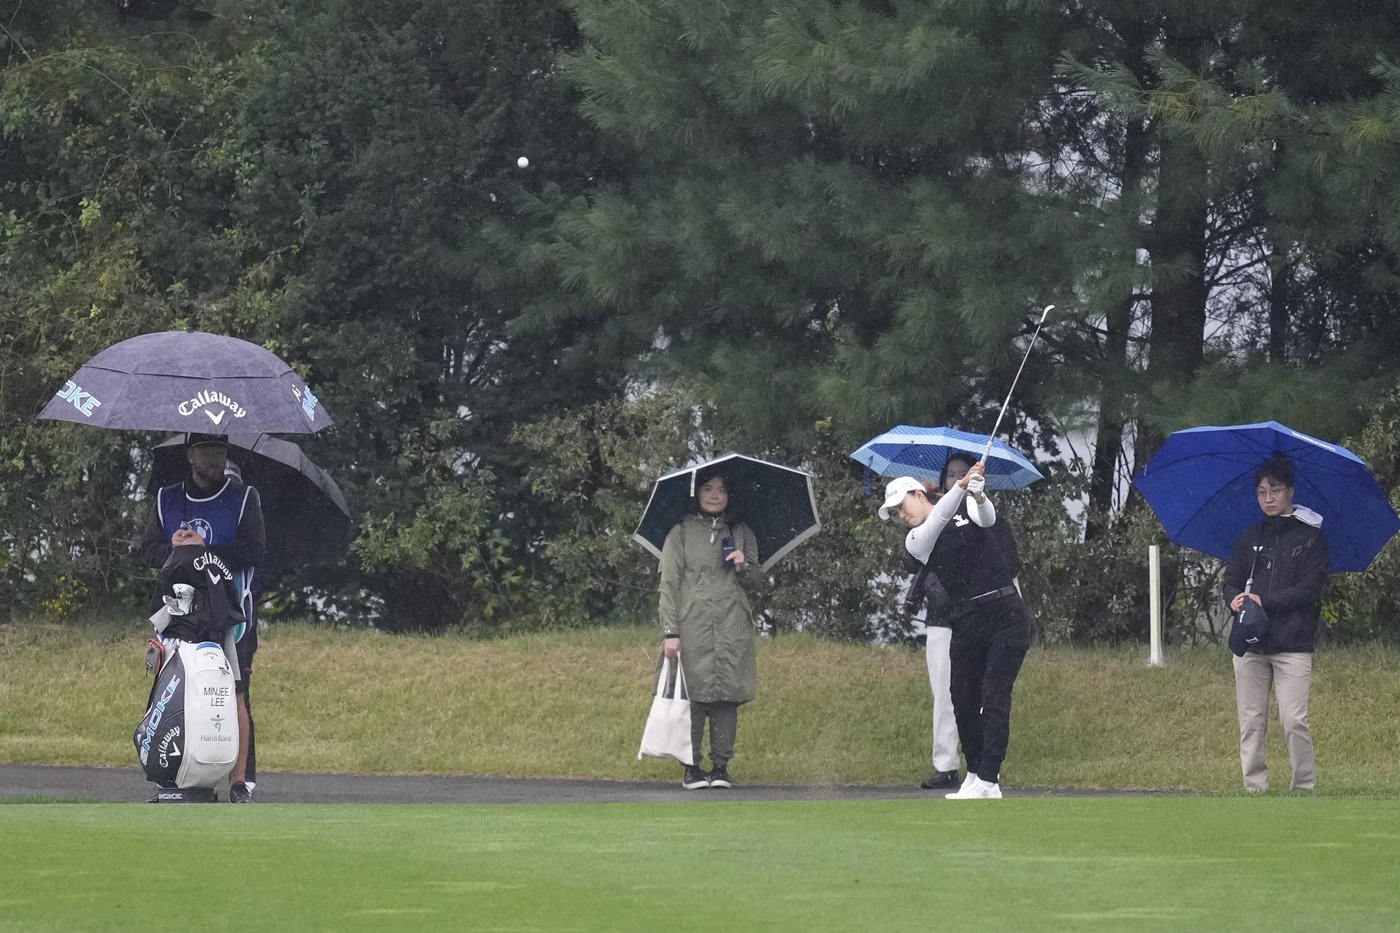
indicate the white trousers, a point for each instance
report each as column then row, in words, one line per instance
column 945, row 727
column 1289, row 673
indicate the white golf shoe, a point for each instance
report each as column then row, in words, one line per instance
column 977, row 789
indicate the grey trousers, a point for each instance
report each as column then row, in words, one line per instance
column 724, row 723
column 1290, row 675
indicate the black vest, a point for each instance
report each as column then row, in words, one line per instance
column 968, row 560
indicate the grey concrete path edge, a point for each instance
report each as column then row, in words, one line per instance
column 55, row 782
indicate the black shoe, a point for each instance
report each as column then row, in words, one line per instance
column 240, row 793
column 941, row 780
column 720, row 777
column 694, row 779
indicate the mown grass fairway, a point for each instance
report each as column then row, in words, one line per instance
column 1109, row 864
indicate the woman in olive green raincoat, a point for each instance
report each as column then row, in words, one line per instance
column 707, row 621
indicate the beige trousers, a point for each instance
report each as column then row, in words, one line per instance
column 1290, row 675
column 940, row 673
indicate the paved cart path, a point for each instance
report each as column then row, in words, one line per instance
column 119, row 784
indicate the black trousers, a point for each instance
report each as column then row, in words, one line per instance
column 724, row 725
column 989, row 644
column 245, row 662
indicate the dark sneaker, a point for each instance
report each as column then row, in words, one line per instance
column 694, row 778
column 942, row 780
column 720, row 777
column 240, row 793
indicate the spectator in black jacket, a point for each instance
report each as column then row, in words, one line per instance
column 1280, row 564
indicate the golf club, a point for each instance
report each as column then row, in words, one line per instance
column 996, row 427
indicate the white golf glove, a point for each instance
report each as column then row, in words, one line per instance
column 976, row 485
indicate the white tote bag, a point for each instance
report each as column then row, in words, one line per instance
column 667, row 732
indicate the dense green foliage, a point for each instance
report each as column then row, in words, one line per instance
column 318, row 178
column 778, row 227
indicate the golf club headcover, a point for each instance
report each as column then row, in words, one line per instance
column 200, row 601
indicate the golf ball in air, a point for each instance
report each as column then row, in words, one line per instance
column 523, row 162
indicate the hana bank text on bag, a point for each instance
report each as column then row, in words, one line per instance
column 667, row 732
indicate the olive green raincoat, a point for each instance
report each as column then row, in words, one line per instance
column 703, row 599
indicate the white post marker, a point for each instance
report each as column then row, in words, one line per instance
column 1154, row 602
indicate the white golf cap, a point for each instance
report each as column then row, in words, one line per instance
column 896, row 491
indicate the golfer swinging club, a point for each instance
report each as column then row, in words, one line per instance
column 990, row 623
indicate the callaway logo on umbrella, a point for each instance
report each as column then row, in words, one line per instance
column 190, row 382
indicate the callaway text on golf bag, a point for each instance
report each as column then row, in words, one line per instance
column 188, row 740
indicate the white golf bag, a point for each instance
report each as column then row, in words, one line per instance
column 189, row 736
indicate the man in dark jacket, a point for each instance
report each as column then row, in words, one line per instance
column 214, row 511
column 1280, row 564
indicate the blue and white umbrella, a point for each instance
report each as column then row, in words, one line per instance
column 906, row 450
column 1201, row 485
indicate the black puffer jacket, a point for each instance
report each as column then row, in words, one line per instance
column 1289, row 576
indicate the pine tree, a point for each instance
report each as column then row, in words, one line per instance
column 849, row 211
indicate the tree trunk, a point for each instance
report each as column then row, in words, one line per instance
column 1108, row 444
column 1280, row 270
column 1178, row 247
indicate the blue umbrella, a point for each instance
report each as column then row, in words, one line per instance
column 1201, row 485
column 190, row 382
column 905, row 450
column 775, row 501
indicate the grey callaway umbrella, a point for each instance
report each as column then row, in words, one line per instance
column 307, row 517
column 774, row 500
column 190, row 382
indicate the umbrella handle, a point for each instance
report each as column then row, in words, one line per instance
column 991, row 438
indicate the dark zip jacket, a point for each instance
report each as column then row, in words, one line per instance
column 1288, row 576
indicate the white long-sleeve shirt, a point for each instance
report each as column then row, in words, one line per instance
column 920, row 540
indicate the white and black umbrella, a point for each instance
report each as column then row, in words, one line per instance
column 191, row 382
column 776, row 501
